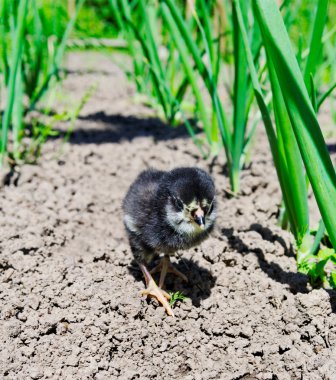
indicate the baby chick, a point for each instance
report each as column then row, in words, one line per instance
column 165, row 212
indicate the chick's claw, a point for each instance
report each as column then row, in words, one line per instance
column 154, row 291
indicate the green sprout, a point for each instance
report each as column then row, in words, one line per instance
column 177, row 296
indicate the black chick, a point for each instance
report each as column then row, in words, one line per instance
column 165, row 212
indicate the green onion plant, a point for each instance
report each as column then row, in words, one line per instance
column 156, row 64
column 30, row 63
column 297, row 143
column 203, row 47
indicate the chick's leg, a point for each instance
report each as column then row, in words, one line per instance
column 154, row 291
column 165, row 266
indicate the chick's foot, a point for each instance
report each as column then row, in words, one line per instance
column 165, row 266
column 153, row 290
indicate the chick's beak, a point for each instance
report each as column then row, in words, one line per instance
column 199, row 217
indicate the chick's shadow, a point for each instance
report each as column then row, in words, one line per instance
column 200, row 280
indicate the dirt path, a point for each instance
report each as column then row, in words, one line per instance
column 69, row 290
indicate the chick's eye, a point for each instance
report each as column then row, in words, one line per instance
column 177, row 203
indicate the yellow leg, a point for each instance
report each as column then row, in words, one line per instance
column 154, row 291
column 165, row 266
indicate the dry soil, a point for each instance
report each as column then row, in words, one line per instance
column 69, row 288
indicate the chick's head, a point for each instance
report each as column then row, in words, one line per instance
column 191, row 206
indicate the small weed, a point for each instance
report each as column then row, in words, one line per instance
column 320, row 268
column 177, row 296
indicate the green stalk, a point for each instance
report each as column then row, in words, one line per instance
column 239, row 97
column 303, row 119
column 116, row 14
column 5, row 64
column 277, row 157
column 36, row 69
column 218, row 115
column 15, row 62
column 291, row 162
column 318, row 237
column 313, row 93
column 148, row 13
column 17, row 116
column 206, row 17
column 321, row 100
column 315, row 41
column 57, row 59
column 204, row 12
column 138, row 66
column 203, row 71
column 188, row 67
column 155, row 70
